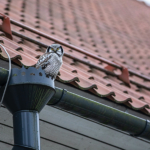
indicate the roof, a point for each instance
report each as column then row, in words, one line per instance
column 115, row 31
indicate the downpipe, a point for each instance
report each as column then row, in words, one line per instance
column 28, row 91
column 26, row 130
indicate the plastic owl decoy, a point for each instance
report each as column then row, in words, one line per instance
column 51, row 60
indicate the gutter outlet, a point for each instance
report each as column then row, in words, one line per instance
column 28, row 91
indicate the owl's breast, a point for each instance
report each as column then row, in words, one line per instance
column 55, row 59
column 54, row 65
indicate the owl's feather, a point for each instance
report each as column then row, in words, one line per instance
column 43, row 60
column 51, row 64
column 51, row 60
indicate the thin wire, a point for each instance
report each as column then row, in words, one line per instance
column 8, row 75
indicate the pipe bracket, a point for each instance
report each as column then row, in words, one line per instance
column 63, row 93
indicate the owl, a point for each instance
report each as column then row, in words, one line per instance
column 51, row 60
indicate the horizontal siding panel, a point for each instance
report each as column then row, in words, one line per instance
column 71, row 139
column 76, row 132
column 46, row 145
column 6, row 135
column 91, row 129
column 4, row 146
column 54, row 135
column 51, row 132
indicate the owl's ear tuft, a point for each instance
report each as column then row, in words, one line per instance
column 48, row 49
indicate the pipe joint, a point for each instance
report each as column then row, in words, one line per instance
column 145, row 132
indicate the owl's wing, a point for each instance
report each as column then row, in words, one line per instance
column 43, row 60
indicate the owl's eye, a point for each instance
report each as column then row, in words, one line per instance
column 52, row 49
column 57, row 48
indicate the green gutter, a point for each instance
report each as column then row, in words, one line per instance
column 96, row 111
column 3, row 76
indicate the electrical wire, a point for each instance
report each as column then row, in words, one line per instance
column 8, row 75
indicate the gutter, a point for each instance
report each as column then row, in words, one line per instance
column 91, row 109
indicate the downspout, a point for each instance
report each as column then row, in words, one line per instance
column 91, row 109
column 26, row 130
column 28, row 91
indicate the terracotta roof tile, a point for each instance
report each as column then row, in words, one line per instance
column 116, row 31
column 67, row 77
